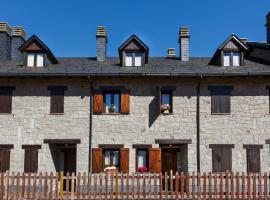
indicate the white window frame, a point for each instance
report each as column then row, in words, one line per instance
column 232, row 58
column 37, row 59
column 133, row 59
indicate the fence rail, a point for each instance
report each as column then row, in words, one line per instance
column 114, row 185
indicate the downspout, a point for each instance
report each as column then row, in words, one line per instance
column 90, row 124
column 198, row 125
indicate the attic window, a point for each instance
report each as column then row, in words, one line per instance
column 35, row 60
column 232, row 59
column 133, row 59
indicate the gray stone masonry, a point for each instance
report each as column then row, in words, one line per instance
column 16, row 54
column 5, row 47
column 101, row 48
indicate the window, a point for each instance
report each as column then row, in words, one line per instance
column 220, row 99
column 142, row 158
column 253, row 158
column 112, row 102
column 133, row 59
column 221, row 157
column 5, row 157
column 6, row 99
column 31, row 158
column 232, row 59
column 111, row 158
column 57, row 99
column 35, row 59
column 166, row 101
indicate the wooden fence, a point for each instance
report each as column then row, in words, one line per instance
column 116, row 185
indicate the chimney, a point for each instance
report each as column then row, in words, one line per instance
column 244, row 40
column 101, row 43
column 5, row 42
column 268, row 27
column 18, row 39
column 171, row 53
column 184, row 43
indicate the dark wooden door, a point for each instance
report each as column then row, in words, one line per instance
column 70, row 160
column 169, row 159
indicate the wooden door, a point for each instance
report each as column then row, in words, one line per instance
column 154, row 160
column 169, row 159
column 70, row 160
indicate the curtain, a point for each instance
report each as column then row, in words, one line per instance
column 40, row 60
column 30, row 60
column 141, row 158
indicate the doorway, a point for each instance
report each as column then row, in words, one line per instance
column 69, row 160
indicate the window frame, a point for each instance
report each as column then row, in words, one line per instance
column 147, row 157
column 232, row 52
column 35, row 58
column 170, row 93
column 27, row 149
column 53, row 95
column 8, row 93
column 112, row 93
column 249, row 148
column 133, row 58
column 111, row 157
column 5, row 149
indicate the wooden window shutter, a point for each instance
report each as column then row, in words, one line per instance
column 31, row 158
column 253, row 160
column 125, row 102
column 57, row 99
column 6, row 99
column 155, row 160
column 220, row 100
column 221, row 159
column 124, row 159
column 98, row 102
column 4, row 159
column 97, row 160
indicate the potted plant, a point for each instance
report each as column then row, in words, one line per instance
column 165, row 108
column 142, row 169
column 112, row 108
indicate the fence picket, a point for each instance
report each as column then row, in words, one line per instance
column 155, row 186
column 210, row 185
column 51, row 186
column 127, row 185
column 176, row 185
column 78, row 186
column 237, row 185
column 254, row 186
column 232, row 185
column 2, row 187
column 160, row 186
column 100, row 185
column 84, row 185
column 265, row 192
column 132, row 186
column 46, row 185
column 187, row 185
column 193, row 185
column 243, row 186
column 72, row 190
column 18, row 184
column 248, row 186
column 67, row 185
column 204, row 185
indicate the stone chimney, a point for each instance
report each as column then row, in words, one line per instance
column 18, row 39
column 101, row 43
column 5, row 42
column 244, row 40
column 268, row 27
column 183, row 41
column 171, row 53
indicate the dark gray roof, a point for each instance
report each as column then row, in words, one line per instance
column 155, row 67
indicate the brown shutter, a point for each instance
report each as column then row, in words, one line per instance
column 5, row 100
column 253, row 160
column 57, row 99
column 4, row 159
column 97, row 160
column 31, row 158
column 154, row 159
column 125, row 102
column 124, row 159
column 221, row 159
column 220, row 100
column 98, row 103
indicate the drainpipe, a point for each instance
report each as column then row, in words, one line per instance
column 90, row 124
column 198, row 125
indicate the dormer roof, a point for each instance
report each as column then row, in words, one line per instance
column 134, row 43
column 34, row 44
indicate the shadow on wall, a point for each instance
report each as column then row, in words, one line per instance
column 153, row 111
column 57, row 156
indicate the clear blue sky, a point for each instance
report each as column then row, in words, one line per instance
column 68, row 27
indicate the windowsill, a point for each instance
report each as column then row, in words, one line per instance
column 166, row 114
column 221, row 113
column 111, row 114
column 56, row 113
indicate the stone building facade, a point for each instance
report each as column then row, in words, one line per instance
column 81, row 114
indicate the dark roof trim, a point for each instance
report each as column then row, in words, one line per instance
column 111, row 146
column 168, row 88
column 221, row 145
column 32, row 146
column 220, row 87
column 233, row 37
column 142, row 146
column 259, row 45
column 62, row 141
column 57, row 87
column 50, row 55
column 253, row 146
column 133, row 37
column 7, row 88
column 173, row 141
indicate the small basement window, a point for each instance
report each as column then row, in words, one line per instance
column 112, row 102
column 35, row 60
column 166, row 101
column 231, row 59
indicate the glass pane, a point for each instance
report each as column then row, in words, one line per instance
column 117, row 102
column 138, row 59
column 227, row 58
column 142, row 158
column 128, row 59
column 236, row 59
column 30, row 59
column 108, row 102
column 107, row 158
column 116, row 158
column 39, row 60
column 165, row 99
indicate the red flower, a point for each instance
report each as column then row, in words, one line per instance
column 142, row 169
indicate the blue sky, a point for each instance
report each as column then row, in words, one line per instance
column 68, row 27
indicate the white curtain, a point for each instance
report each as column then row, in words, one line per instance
column 227, row 59
column 236, row 59
column 107, row 157
column 128, row 59
column 30, row 60
column 141, row 158
column 138, row 59
column 40, row 60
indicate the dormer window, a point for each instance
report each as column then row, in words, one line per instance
column 133, row 59
column 232, row 59
column 35, row 60
column 133, row 52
